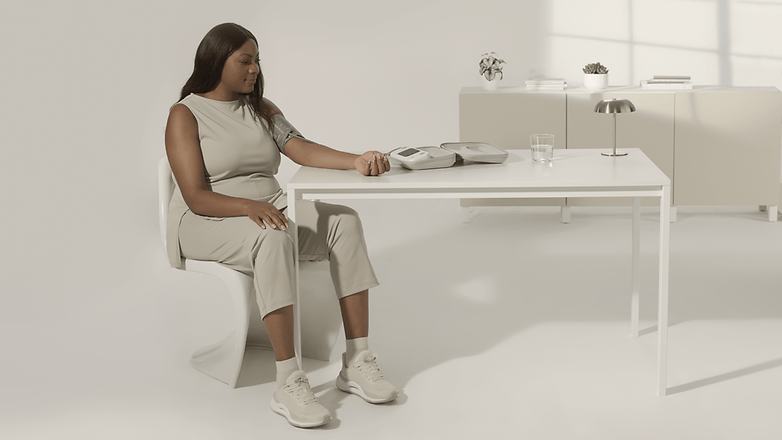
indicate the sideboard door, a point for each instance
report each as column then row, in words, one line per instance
column 507, row 120
column 728, row 147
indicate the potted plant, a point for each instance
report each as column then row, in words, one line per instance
column 595, row 76
column 489, row 67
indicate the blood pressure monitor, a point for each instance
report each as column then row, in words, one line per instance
column 422, row 158
column 410, row 155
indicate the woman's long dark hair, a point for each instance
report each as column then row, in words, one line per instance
column 218, row 44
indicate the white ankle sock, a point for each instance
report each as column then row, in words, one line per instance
column 285, row 369
column 354, row 347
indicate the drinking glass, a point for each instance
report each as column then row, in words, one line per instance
column 542, row 147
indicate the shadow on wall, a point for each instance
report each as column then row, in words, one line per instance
column 723, row 42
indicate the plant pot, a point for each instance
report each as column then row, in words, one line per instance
column 494, row 84
column 595, row 81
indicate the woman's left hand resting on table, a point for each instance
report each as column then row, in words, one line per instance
column 371, row 163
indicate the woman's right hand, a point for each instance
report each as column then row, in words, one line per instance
column 372, row 163
column 264, row 213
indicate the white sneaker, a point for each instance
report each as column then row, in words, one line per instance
column 364, row 379
column 298, row 404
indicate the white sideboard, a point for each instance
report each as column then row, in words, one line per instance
column 720, row 146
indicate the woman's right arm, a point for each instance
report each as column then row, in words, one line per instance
column 183, row 149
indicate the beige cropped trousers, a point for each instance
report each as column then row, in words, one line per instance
column 326, row 231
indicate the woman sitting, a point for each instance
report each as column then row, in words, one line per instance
column 223, row 141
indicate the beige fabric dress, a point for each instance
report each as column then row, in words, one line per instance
column 241, row 156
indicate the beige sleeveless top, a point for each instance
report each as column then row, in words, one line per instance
column 240, row 154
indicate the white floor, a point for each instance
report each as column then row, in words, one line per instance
column 511, row 326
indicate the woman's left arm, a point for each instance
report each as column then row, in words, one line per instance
column 371, row 163
column 311, row 154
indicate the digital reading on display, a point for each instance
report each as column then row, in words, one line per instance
column 408, row 152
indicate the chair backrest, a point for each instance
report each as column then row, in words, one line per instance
column 165, row 191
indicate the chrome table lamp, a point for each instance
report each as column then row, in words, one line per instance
column 614, row 106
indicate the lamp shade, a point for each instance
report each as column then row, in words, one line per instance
column 614, row 106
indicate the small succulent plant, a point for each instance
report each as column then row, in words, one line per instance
column 490, row 65
column 595, row 68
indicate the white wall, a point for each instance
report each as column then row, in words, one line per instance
column 87, row 85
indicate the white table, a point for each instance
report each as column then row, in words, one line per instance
column 572, row 173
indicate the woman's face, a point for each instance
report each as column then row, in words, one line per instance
column 241, row 70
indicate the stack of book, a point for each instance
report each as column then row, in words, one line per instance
column 664, row 82
column 546, row 84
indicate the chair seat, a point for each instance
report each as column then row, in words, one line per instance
column 320, row 319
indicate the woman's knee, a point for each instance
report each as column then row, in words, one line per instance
column 347, row 219
column 272, row 242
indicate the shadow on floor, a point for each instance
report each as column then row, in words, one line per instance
column 746, row 371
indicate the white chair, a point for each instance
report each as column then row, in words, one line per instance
column 320, row 315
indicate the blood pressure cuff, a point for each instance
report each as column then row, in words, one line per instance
column 283, row 131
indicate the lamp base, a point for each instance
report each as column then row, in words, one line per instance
column 614, row 153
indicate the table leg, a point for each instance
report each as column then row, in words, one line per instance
column 635, row 299
column 772, row 213
column 662, row 313
column 565, row 214
column 293, row 197
column 467, row 212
